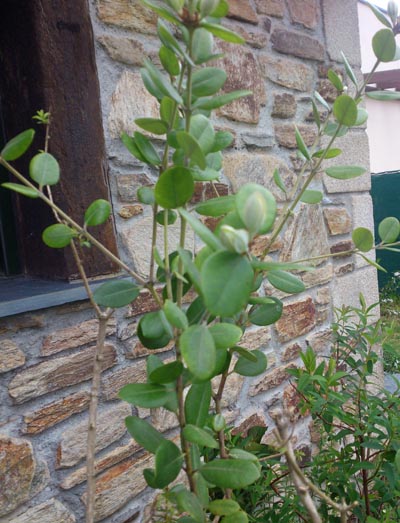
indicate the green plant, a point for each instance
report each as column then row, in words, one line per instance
column 390, row 313
column 224, row 276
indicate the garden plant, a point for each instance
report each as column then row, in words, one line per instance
column 209, row 295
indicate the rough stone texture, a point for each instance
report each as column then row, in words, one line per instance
column 243, row 72
column 110, row 427
column 291, row 402
column 118, row 485
column 255, row 420
column 257, row 139
column 342, row 247
column 297, row 319
column 285, row 134
column 297, row 44
column 114, row 382
column 323, row 296
column 259, row 244
column 327, row 90
column 73, row 337
column 136, row 239
column 255, row 39
column 237, row 167
column 321, row 341
column 291, row 352
column 285, row 106
column 270, row 380
column 305, row 238
column 318, row 276
column 304, row 12
column 58, row 373
column 56, row 412
column 128, row 184
column 232, row 389
column 337, row 220
column 11, row 356
column 288, row 73
column 130, row 211
column 129, row 101
column 270, row 7
column 17, row 469
column 52, row 511
column 340, row 270
column 355, row 152
column 243, row 11
column 342, row 14
column 256, row 339
column 126, row 50
column 129, row 14
column 363, row 216
column 163, row 420
column 143, row 303
column 111, row 458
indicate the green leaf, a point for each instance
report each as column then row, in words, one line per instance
column 167, row 373
column 166, row 217
column 379, row 15
column 363, row 239
column 345, row 110
column 349, row 70
column 247, row 354
column 223, row 33
column 190, row 503
column 198, row 351
column 237, row 517
column 335, row 80
column 373, row 263
column 397, row 461
column 256, row 207
column 266, row 313
column 154, row 331
column 225, row 335
column 216, row 206
column 130, row 144
column 200, row 437
column 169, row 61
column 335, row 129
column 301, row 145
column 116, row 294
column 152, row 125
column 174, row 188
column 17, row 146
column 278, row 181
column 162, row 83
column 44, row 169
column 21, row 189
column 58, row 235
column 311, row 197
column 164, row 12
column 221, row 10
column 215, row 102
column 316, row 115
column 223, row 507
column 207, row 81
column 322, row 100
column 197, row 403
column 230, row 473
column 384, row 45
column 190, row 268
column 201, row 230
column 383, row 95
column 191, row 148
column 202, row 129
column 330, row 153
column 389, row 229
column 146, row 149
column 146, row 395
column 345, row 172
column 175, row 315
column 362, row 116
column 245, row 367
column 143, row 433
column 285, row 281
column 150, row 85
column 146, row 195
column 168, row 463
column 227, row 280
column 202, row 45
column 97, row 213
column 222, row 140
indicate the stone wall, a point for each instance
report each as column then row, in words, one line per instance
column 45, row 358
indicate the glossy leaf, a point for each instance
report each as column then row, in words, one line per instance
column 146, row 149
column 223, row 507
column 247, row 354
column 383, row 95
column 349, row 70
column 97, row 213
column 225, row 335
column 174, row 187
column 162, row 83
column 285, row 281
column 130, row 144
column 152, row 125
column 202, row 45
column 230, row 473
column 222, row 140
column 389, row 229
column 44, row 169
column 198, row 351
column 330, row 153
column 345, row 172
column 245, row 367
column 58, row 235
column 143, row 433
column 197, row 403
column 18, row 145
column 266, row 313
column 202, row 130
column 227, row 280
column 335, row 80
column 167, row 373
column 175, row 315
column 21, row 189
column 363, row 239
column 301, row 145
column 362, row 116
column 190, row 503
column 154, row 331
column 150, row 85
column 200, row 437
column 168, row 463
column 223, row 33
column 166, row 217
column 207, row 81
column 146, row 195
column 146, row 395
column 216, row 206
column 201, row 230
column 335, row 129
column 345, row 110
column 116, row 294
column 312, row 197
column 169, row 61
column 384, row 45
column 191, row 148
column 218, row 101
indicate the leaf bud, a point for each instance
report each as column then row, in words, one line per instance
column 254, row 212
column 218, row 422
column 393, row 11
column 206, row 7
column 236, row 240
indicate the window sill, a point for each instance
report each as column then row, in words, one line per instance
column 20, row 294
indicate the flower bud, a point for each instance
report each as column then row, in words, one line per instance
column 236, row 240
column 254, row 212
column 206, row 7
column 393, row 11
column 218, row 422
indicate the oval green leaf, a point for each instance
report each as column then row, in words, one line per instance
column 345, row 110
column 312, row 197
column 200, row 437
column 266, row 313
column 152, row 125
column 167, row 373
column 285, row 281
column 345, row 172
column 230, row 473
column 116, row 294
column 363, row 239
column 174, row 187
column 237, row 517
column 143, row 433
column 191, row 148
column 168, row 463
column 198, row 351
column 216, row 206
column 207, row 81
column 154, row 331
column 245, row 367
column 256, row 207
column 97, row 213
column 223, row 33
column 223, row 507
column 21, row 189
column 175, row 315
column 146, row 149
column 208, row 104
column 225, row 335
column 197, row 403
column 58, row 235
column 44, row 169
column 389, row 229
column 146, row 195
column 384, row 45
column 146, row 395
column 18, row 145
